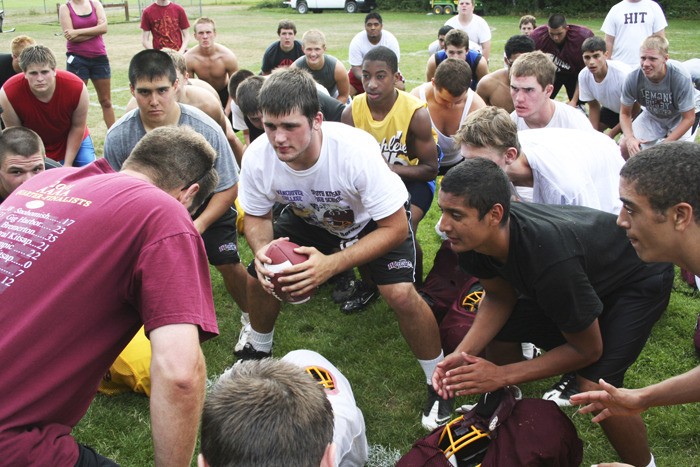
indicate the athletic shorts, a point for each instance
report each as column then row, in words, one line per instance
column 444, row 168
column 628, row 316
column 394, row 267
column 609, row 117
column 88, row 67
column 87, row 457
column 646, row 127
column 223, row 96
column 421, row 194
column 85, row 154
column 221, row 238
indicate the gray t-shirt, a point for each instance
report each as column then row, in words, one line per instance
column 128, row 130
column 665, row 100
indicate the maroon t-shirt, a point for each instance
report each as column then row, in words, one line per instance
column 568, row 56
column 86, row 256
column 166, row 24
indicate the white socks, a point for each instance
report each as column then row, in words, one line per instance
column 429, row 367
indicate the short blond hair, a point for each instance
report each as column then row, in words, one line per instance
column 489, row 127
column 535, row 64
column 204, row 20
column 313, row 36
column 655, row 43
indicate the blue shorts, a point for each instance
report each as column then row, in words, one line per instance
column 88, row 68
column 86, row 153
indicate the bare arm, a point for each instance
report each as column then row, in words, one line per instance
column 420, row 145
column 484, row 89
column 486, row 49
column 430, row 68
column 342, row 81
column 146, row 40
column 357, row 71
column 594, row 114
column 482, row 69
column 683, row 126
column 347, row 116
column 77, row 128
column 681, row 389
column 231, row 63
column 81, row 35
column 185, row 40
column 178, row 373
column 632, row 144
column 609, row 44
column 218, row 205
column 574, row 100
column 9, row 116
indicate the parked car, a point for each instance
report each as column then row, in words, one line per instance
column 351, row 6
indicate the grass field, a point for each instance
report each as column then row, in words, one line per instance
column 367, row 347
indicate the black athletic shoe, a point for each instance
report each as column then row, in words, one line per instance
column 361, row 297
column 345, row 284
column 248, row 352
column 563, row 390
column 437, row 411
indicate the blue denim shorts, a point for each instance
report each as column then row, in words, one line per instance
column 88, row 68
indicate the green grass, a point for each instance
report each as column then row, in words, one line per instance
column 367, row 347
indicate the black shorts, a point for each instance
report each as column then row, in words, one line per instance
column 87, row 457
column 221, row 239
column 223, row 96
column 628, row 316
column 421, row 194
column 395, row 267
column 609, row 117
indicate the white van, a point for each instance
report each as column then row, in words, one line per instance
column 351, row 6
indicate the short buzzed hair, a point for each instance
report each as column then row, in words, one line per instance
column 658, row 43
column 519, row 44
column 384, row 54
column 266, row 412
column 313, row 36
column 247, row 95
column 20, row 141
column 556, row 21
column 192, row 162
column 204, row 20
column 236, row 79
column 666, row 174
column 37, row 55
column 535, row 64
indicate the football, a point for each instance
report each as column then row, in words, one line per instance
column 283, row 256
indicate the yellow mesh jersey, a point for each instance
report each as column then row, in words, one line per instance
column 391, row 132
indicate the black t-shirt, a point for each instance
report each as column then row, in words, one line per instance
column 566, row 258
column 275, row 57
column 6, row 70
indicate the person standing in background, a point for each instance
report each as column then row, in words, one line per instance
column 83, row 23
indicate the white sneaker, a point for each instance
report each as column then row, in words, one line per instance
column 530, row 351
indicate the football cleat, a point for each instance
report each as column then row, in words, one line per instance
column 437, row 411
